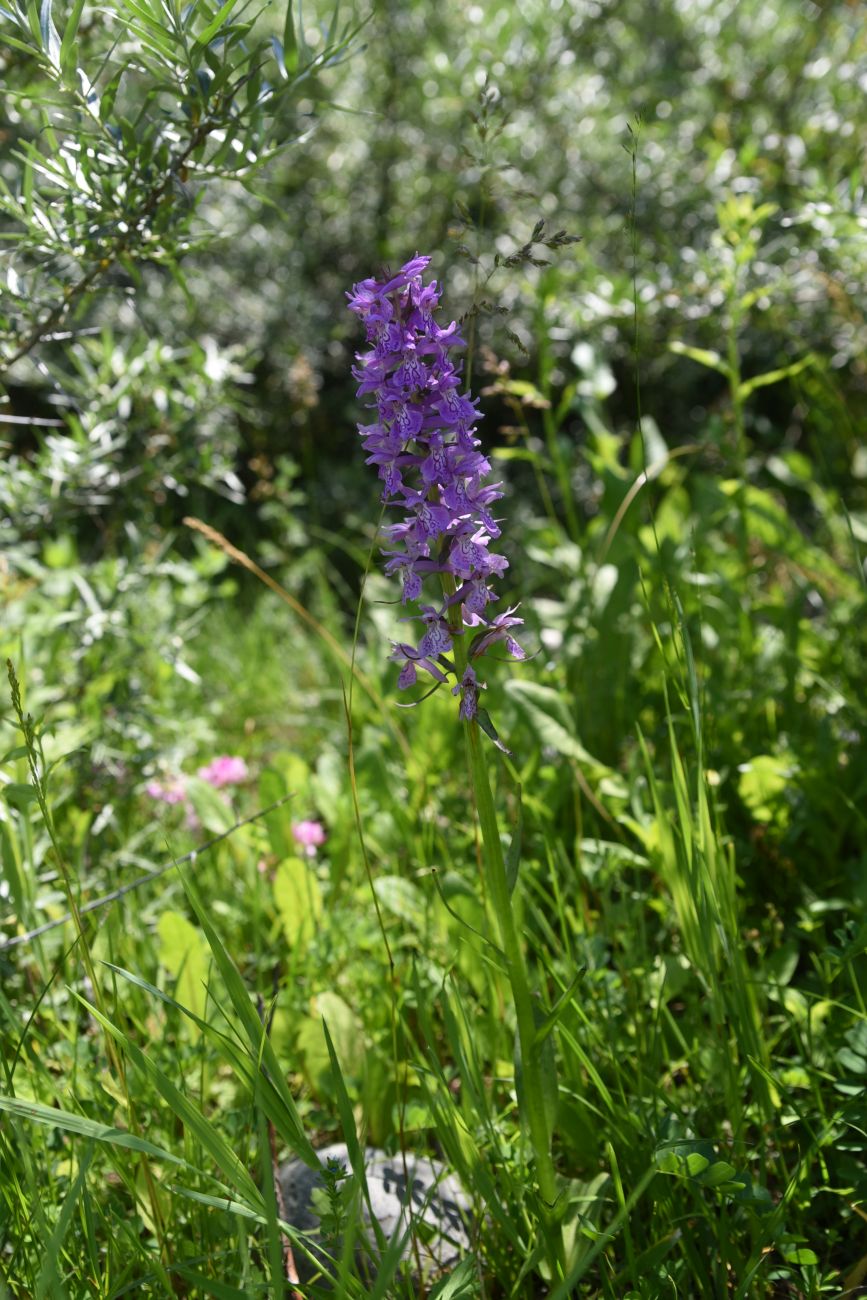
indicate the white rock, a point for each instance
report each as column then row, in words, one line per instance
column 422, row 1191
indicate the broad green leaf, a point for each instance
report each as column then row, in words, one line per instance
column 780, row 966
column 347, row 1040
column 799, row 1255
column 18, row 794
column 762, row 785
column 686, row 1164
column 298, row 896
column 796, row 1077
column 184, row 953
column 546, row 713
column 210, row 806
column 720, row 1174
column 856, row 1037
column 65, row 739
column 272, row 787
column 583, row 1202
column 402, row 898
column 524, row 389
column 296, row 774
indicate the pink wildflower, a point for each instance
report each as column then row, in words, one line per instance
column 310, row 835
column 172, row 792
column 191, row 819
column 225, row 770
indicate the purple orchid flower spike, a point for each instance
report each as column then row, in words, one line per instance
column 422, row 441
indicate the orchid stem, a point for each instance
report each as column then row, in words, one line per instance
column 516, row 968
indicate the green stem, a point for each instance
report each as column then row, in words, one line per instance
column 495, row 870
column 516, row 969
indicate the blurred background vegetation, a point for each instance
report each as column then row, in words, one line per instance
column 708, row 156
column 677, row 405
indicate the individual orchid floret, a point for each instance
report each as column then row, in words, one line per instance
column 412, row 660
column 498, row 630
column 468, row 687
column 423, row 443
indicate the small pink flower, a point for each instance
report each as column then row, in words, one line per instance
column 172, row 792
column 310, row 835
column 225, row 770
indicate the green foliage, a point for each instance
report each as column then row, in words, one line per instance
column 137, row 109
column 675, row 405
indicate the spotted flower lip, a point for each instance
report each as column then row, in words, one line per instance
column 422, row 441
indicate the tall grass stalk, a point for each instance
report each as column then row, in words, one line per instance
column 37, row 766
column 700, row 873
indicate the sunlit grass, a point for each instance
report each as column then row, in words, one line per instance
column 707, row 1054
